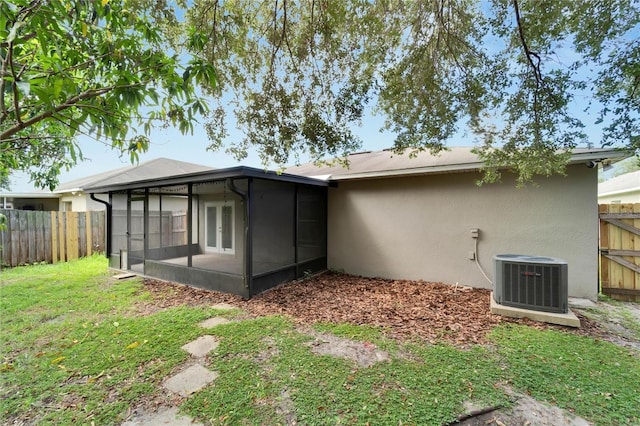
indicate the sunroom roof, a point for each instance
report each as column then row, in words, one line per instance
column 207, row 176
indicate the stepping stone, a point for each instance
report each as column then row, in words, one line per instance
column 164, row 416
column 212, row 322
column 190, row 380
column 223, row 306
column 123, row 276
column 201, row 346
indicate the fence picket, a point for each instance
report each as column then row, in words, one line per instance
column 33, row 236
column 620, row 251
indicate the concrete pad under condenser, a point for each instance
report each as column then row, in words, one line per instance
column 213, row 322
column 190, row 380
column 569, row 319
column 201, row 346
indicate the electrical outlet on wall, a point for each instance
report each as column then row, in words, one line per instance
column 471, row 255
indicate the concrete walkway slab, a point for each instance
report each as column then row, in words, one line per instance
column 213, row 322
column 190, row 380
column 201, row 346
column 164, row 416
column 576, row 302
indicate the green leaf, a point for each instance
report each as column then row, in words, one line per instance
column 24, row 87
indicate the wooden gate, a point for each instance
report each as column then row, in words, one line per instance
column 620, row 251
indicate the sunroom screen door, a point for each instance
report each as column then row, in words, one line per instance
column 219, row 227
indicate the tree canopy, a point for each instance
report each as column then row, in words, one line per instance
column 98, row 68
column 521, row 78
column 515, row 75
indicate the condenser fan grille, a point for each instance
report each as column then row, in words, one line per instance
column 538, row 284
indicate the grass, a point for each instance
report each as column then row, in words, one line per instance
column 616, row 313
column 78, row 334
column 75, row 350
column 592, row 378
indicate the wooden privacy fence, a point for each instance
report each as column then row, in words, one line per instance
column 34, row 236
column 620, row 251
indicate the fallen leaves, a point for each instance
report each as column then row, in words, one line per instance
column 407, row 309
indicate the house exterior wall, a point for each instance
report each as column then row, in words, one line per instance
column 81, row 202
column 419, row 227
column 621, row 198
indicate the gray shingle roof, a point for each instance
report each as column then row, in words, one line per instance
column 387, row 163
column 157, row 168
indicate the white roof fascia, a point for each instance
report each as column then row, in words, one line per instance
column 64, row 191
column 321, row 177
column 450, row 168
column 29, row 195
column 613, row 154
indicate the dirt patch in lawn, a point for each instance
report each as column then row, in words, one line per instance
column 525, row 411
column 364, row 354
column 406, row 309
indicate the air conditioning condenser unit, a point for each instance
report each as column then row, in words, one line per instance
column 531, row 282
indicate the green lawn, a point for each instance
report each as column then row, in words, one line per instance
column 76, row 350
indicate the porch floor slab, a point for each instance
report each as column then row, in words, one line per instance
column 221, row 263
column 569, row 319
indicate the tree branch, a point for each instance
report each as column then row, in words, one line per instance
column 16, row 100
column 528, row 53
column 89, row 94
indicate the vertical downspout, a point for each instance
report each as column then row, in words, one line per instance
column 160, row 218
column 295, row 229
column 189, row 225
column 107, row 232
column 145, row 225
column 248, row 250
column 128, row 229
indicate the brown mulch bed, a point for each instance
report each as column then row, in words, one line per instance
column 407, row 309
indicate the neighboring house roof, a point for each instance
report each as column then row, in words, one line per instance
column 153, row 169
column 628, row 182
column 35, row 194
column 456, row 159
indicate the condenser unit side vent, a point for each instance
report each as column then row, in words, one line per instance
column 531, row 282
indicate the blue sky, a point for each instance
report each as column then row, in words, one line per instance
column 170, row 143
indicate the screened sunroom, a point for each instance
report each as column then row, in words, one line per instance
column 239, row 230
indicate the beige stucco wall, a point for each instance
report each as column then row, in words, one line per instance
column 81, row 201
column 627, row 197
column 419, row 227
